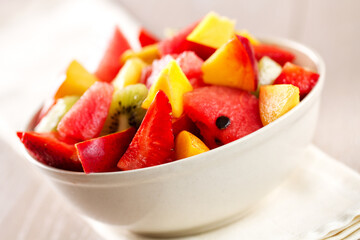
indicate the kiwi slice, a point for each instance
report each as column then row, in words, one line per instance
column 125, row 109
column 50, row 121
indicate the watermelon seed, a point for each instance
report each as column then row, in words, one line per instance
column 222, row 122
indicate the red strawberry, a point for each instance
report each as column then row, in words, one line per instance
column 87, row 117
column 110, row 65
column 277, row 54
column 146, row 38
column 51, row 149
column 303, row 79
column 153, row 143
column 102, row 154
column 222, row 114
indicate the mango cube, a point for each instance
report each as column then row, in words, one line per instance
column 232, row 66
column 174, row 83
column 77, row 81
column 129, row 74
column 276, row 100
column 187, row 145
column 213, row 31
column 148, row 54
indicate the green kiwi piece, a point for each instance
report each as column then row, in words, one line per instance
column 125, row 109
column 50, row 121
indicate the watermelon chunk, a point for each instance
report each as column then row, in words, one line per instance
column 222, row 114
column 51, row 149
column 277, row 54
column 303, row 79
column 102, row 154
column 146, row 38
column 87, row 117
column 110, row 65
column 153, row 143
column 189, row 63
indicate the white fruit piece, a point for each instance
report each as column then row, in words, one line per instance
column 269, row 70
column 49, row 122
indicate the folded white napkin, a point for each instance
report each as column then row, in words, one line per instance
column 317, row 202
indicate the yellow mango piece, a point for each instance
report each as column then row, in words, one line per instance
column 213, row 31
column 129, row 74
column 77, row 81
column 187, row 145
column 148, row 54
column 230, row 66
column 173, row 82
column 276, row 100
column 249, row 36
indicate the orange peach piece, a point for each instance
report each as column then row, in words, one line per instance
column 174, row 83
column 276, row 100
column 213, row 31
column 129, row 74
column 187, row 145
column 230, row 66
column 77, row 81
column 148, row 54
column 249, row 36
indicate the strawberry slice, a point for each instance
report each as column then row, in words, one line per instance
column 153, row 143
column 146, row 38
column 110, row 65
column 87, row 117
column 277, row 54
column 102, row 154
column 303, row 79
column 51, row 149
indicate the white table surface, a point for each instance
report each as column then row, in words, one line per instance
column 30, row 210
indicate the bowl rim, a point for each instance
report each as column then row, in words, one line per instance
column 282, row 42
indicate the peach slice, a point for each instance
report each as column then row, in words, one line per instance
column 174, row 83
column 77, row 81
column 249, row 36
column 232, row 65
column 213, row 31
column 187, row 145
column 129, row 74
column 276, row 100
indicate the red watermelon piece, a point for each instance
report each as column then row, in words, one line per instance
column 277, row 54
column 51, row 149
column 156, row 68
column 87, row 117
column 146, row 38
column 191, row 64
column 303, row 79
column 222, row 114
column 153, row 143
column 102, row 154
column 178, row 44
column 109, row 65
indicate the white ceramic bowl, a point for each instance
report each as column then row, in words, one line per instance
column 200, row 192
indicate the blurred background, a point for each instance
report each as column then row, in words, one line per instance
column 39, row 38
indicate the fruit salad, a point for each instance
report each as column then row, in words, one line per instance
column 202, row 87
